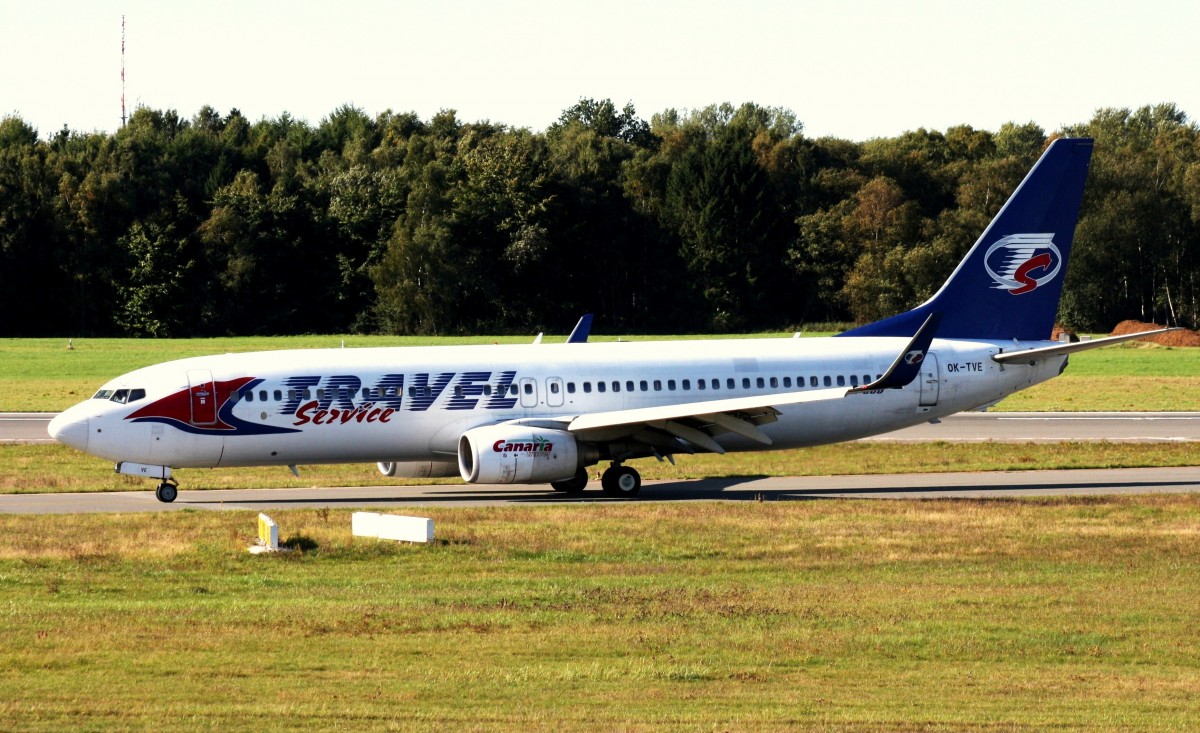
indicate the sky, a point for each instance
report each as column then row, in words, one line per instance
column 855, row 69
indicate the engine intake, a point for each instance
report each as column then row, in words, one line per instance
column 509, row 454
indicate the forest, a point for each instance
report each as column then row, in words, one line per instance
column 722, row 219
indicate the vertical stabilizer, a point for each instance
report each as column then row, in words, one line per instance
column 1008, row 285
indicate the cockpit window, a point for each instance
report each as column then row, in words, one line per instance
column 123, row 396
column 103, row 394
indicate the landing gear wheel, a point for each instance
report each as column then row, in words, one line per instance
column 621, row 481
column 166, row 492
column 573, row 485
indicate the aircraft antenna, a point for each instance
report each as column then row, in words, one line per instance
column 122, row 71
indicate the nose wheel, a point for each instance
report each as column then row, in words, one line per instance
column 621, row 481
column 166, row 492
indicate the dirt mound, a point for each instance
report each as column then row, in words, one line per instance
column 1185, row 337
column 1062, row 333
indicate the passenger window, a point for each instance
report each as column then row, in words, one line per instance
column 828, row 381
column 866, row 379
column 616, row 386
column 812, row 381
column 512, row 389
column 760, row 382
column 687, row 384
column 278, row 395
column 644, row 385
column 853, row 380
column 587, row 387
column 658, row 385
column 554, row 388
column 629, row 386
column 700, row 384
column 787, row 382
column 729, row 383
column 307, row 393
column 250, row 395
column 570, row 388
column 487, row 390
column 671, row 385
column 745, row 382
column 716, row 384
column 600, row 386
column 841, row 381
column 321, row 393
column 262, row 395
column 774, row 382
column 528, row 388
column 458, row 390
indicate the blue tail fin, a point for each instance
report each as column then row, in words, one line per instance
column 1008, row 285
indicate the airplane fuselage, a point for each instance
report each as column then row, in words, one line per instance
column 411, row 404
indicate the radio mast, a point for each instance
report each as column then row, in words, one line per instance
column 122, row 71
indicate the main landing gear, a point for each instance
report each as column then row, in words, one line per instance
column 167, row 491
column 573, row 485
column 621, row 480
column 618, row 480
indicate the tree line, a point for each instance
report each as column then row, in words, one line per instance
column 720, row 219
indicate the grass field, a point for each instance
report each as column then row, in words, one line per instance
column 42, row 375
column 957, row 615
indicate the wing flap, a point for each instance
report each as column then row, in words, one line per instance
column 685, row 410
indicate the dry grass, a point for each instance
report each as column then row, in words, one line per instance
column 1066, row 614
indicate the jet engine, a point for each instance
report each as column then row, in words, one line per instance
column 418, row 469
column 512, row 454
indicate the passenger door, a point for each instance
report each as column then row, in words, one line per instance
column 202, row 394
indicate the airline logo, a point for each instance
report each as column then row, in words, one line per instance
column 1021, row 263
column 178, row 410
column 914, row 357
column 341, row 399
column 534, row 445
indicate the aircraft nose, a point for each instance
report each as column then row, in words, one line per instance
column 70, row 429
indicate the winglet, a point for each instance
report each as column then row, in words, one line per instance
column 907, row 365
column 580, row 333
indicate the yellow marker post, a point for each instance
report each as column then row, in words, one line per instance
column 268, row 535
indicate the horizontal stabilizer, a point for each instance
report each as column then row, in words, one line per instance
column 1032, row 356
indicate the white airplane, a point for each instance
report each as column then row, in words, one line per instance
column 543, row 413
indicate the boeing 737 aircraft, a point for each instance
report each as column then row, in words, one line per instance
column 544, row 413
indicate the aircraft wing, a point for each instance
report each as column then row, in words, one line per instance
column 699, row 422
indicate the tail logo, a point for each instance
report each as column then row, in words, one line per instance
column 1021, row 263
column 914, row 357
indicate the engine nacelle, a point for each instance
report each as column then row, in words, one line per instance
column 418, row 469
column 511, row 454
